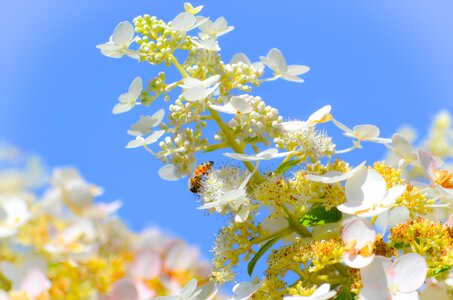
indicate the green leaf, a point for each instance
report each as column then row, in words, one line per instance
column 260, row 253
column 286, row 166
column 345, row 294
column 318, row 215
column 440, row 270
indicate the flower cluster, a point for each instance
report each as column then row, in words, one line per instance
column 371, row 231
column 61, row 244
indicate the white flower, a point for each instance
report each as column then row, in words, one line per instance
column 236, row 105
column 277, row 63
column 73, row 239
column 123, row 289
column 119, row 42
column 212, row 30
column 403, row 149
column 128, row 100
column 170, row 172
column 365, row 132
column 190, row 292
column 263, row 155
column 210, row 45
column 245, row 290
column 236, row 198
column 145, row 123
column 188, row 7
column 140, row 141
column 334, row 176
column 322, row 115
column 14, row 213
column 441, row 180
column 367, row 194
column 185, row 22
column 358, row 236
column 399, row 280
column 242, row 58
column 195, row 90
column 323, row 292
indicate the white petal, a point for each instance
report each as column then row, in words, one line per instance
column 357, row 261
column 297, row 70
column 320, row 114
column 183, row 22
column 154, row 137
column 190, row 82
column 277, row 61
column 136, row 88
column 393, row 194
column 359, row 230
column 409, row 272
column 428, row 164
column 123, row 33
column 122, row 107
column 124, row 289
column 195, row 94
column 241, row 156
column 333, row 177
column 365, row 186
column 138, row 142
column 292, row 126
column 292, row 78
column 169, row 172
column 374, row 278
column 366, row 131
column 240, row 57
column 342, row 126
column 35, row 283
column 241, row 105
column 228, row 109
column 211, row 80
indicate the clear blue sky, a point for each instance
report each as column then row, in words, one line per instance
column 383, row 62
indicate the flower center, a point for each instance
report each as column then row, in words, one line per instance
column 444, row 178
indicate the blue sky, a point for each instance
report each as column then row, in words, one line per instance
column 380, row 62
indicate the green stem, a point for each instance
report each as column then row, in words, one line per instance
column 295, row 225
column 230, row 139
column 179, row 66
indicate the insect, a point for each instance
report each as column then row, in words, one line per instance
column 196, row 179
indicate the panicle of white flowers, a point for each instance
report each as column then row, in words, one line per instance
column 330, row 223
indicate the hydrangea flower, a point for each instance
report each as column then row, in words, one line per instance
column 196, row 90
column 367, row 194
column 277, row 63
column 441, row 180
column 364, row 132
column 191, row 292
column 145, row 123
column 188, row 7
column 119, row 42
column 129, row 100
column 212, row 30
column 322, row 115
column 140, row 141
column 185, row 22
column 236, row 105
column 334, row 176
column 403, row 149
column 242, row 58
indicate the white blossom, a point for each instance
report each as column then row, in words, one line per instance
column 119, row 42
column 195, row 89
column 129, row 100
column 277, row 63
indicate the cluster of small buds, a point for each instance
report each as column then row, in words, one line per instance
column 263, row 122
column 156, row 87
column 158, row 41
column 182, row 112
column 239, row 76
column 182, row 147
column 201, row 63
column 307, row 144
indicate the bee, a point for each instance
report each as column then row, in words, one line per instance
column 197, row 178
